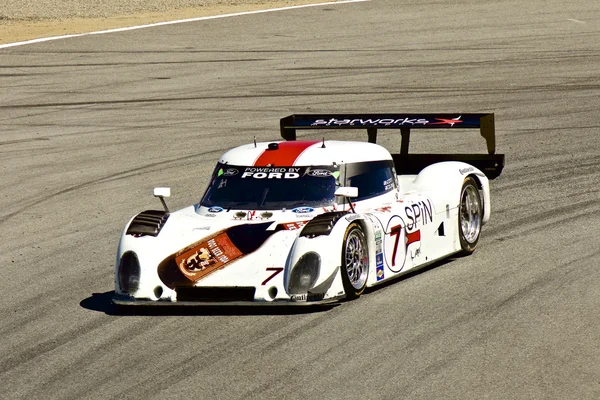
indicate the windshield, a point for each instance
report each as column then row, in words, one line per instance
column 371, row 178
column 269, row 188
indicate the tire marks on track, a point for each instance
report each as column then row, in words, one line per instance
column 108, row 178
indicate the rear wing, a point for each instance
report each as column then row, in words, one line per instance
column 491, row 164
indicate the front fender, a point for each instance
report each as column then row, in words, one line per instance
column 324, row 236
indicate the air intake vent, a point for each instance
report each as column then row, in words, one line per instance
column 148, row 223
column 322, row 224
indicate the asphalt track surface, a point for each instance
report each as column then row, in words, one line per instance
column 89, row 125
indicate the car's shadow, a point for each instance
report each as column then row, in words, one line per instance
column 102, row 302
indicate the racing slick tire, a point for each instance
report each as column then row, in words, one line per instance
column 470, row 216
column 355, row 261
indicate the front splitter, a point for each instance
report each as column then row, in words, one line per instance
column 127, row 301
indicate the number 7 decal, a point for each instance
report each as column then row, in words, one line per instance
column 396, row 242
column 273, row 275
column 395, row 231
column 410, row 238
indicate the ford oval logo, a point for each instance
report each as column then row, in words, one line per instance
column 215, row 209
column 230, row 172
column 320, row 173
column 303, row 210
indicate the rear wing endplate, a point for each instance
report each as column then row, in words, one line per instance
column 490, row 163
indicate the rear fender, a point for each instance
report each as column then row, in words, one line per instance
column 443, row 182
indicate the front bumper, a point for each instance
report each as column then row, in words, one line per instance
column 128, row 301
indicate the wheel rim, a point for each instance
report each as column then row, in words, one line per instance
column 470, row 214
column 356, row 259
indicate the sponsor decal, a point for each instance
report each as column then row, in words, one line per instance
column 371, row 122
column 420, row 213
column 207, row 257
column 271, row 173
column 320, row 173
column 380, row 273
column 395, row 121
column 215, row 209
column 240, row 215
column 384, row 209
column 308, row 297
column 377, row 235
column 379, row 266
column 465, row 171
column 196, row 261
column 293, row 226
column 228, row 172
column 388, row 184
column 302, row 210
column 416, row 253
column 210, row 215
column 352, row 217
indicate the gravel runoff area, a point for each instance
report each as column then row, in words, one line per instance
column 29, row 19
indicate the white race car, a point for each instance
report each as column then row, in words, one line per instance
column 311, row 222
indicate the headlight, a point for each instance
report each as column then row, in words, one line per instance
column 305, row 273
column 129, row 273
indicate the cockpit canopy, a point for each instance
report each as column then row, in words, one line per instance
column 275, row 188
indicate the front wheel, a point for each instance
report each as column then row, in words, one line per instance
column 355, row 261
column 470, row 216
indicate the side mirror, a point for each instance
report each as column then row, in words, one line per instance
column 347, row 191
column 162, row 192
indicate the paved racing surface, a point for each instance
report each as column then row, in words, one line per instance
column 89, row 125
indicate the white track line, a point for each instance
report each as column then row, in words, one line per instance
column 180, row 21
column 576, row 20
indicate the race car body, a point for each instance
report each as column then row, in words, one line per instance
column 310, row 222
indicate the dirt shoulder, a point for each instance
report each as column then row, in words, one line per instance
column 22, row 20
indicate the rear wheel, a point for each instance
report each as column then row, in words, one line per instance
column 470, row 216
column 355, row 261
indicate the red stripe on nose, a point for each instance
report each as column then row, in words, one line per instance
column 285, row 155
